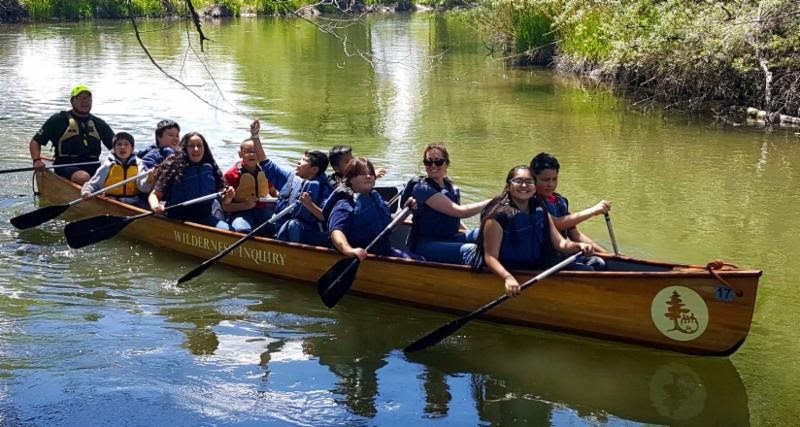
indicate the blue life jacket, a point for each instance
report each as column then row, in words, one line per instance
column 290, row 193
column 370, row 216
column 431, row 224
column 196, row 181
column 526, row 243
column 155, row 155
column 558, row 209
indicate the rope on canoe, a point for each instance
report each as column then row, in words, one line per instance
column 717, row 264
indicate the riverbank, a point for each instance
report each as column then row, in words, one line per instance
column 695, row 56
column 44, row 10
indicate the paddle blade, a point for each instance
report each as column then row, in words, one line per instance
column 195, row 272
column 439, row 334
column 337, row 281
column 37, row 217
column 92, row 230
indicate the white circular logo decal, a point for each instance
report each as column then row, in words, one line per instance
column 679, row 313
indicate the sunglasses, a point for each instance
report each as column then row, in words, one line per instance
column 431, row 162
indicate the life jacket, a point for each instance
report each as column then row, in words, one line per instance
column 370, row 216
column 80, row 140
column 251, row 184
column 120, row 172
column 196, row 181
column 334, row 180
column 558, row 209
column 526, row 242
column 431, row 224
column 408, row 190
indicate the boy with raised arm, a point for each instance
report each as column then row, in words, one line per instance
column 308, row 177
column 248, row 209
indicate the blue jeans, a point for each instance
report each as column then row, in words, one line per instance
column 298, row 232
column 246, row 221
column 213, row 221
column 455, row 250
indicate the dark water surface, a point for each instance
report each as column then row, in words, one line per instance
column 100, row 336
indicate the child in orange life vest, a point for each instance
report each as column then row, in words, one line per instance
column 248, row 210
column 120, row 165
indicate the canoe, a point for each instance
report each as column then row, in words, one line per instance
column 676, row 307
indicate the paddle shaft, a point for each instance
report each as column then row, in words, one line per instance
column 525, row 285
column 129, row 219
column 401, row 216
column 209, row 262
column 110, row 187
column 30, row 168
column 355, row 261
column 611, row 234
column 448, row 329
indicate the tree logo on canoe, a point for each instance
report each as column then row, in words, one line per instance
column 679, row 313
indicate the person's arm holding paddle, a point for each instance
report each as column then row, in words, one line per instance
column 154, row 200
column 96, row 181
column 308, row 202
column 343, row 246
column 576, row 235
column 36, row 155
column 572, row 220
column 493, row 237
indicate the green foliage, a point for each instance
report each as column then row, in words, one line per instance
column 675, row 50
column 531, row 30
column 277, row 7
column 39, row 9
column 444, row 4
column 588, row 37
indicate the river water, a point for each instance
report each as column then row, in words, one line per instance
column 100, row 335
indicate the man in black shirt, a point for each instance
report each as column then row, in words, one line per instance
column 76, row 136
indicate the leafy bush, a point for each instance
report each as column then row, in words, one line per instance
column 675, row 51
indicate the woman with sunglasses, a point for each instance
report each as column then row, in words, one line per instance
column 517, row 232
column 435, row 233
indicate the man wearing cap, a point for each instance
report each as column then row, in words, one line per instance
column 76, row 136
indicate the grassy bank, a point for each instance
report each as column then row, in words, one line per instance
column 693, row 55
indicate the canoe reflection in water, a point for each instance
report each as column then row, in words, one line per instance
column 516, row 381
column 517, row 376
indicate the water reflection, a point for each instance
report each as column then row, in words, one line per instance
column 400, row 82
column 514, row 376
column 518, row 380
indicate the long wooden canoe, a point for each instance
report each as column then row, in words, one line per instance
column 669, row 306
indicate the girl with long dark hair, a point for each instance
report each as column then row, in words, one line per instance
column 517, row 232
column 188, row 174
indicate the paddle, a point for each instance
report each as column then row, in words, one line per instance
column 29, row 168
column 208, row 263
column 95, row 229
column 445, row 331
column 611, row 234
column 42, row 215
column 338, row 279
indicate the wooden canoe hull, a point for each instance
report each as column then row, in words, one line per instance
column 703, row 316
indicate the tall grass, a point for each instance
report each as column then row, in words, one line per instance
column 690, row 54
